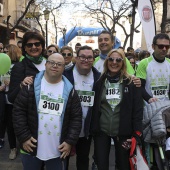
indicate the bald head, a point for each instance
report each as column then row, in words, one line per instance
column 57, row 56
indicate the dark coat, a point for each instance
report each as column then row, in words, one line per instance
column 131, row 108
column 69, row 74
column 25, row 118
column 19, row 72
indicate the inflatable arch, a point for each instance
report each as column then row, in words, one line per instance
column 81, row 31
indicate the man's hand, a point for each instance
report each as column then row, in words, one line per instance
column 65, row 149
column 151, row 100
column 6, row 82
column 28, row 145
column 136, row 81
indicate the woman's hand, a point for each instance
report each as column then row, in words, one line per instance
column 127, row 144
column 151, row 100
column 28, row 145
column 2, row 88
column 27, row 81
column 65, row 149
column 6, row 82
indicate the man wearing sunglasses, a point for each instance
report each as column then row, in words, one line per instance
column 83, row 76
column 47, row 118
column 154, row 72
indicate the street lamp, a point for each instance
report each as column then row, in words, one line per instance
column 46, row 17
column 64, row 35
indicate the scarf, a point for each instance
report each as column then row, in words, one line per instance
column 103, row 56
column 35, row 60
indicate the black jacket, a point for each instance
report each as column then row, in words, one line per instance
column 25, row 118
column 19, row 72
column 69, row 74
column 131, row 109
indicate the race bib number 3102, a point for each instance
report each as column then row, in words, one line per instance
column 86, row 97
column 49, row 105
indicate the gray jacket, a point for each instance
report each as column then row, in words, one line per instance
column 156, row 117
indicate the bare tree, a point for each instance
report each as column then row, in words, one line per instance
column 112, row 11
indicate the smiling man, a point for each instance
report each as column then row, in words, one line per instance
column 47, row 118
column 83, row 76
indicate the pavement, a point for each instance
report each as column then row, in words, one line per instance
column 7, row 164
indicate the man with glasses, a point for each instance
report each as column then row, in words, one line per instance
column 83, row 76
column 154, row 71
column 47, row 117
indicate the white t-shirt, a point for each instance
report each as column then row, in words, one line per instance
column 49, row 125
column 99, row 65
column 40, row 66
column 83, row 83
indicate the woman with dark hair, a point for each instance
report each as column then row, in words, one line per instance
column 33, row 47
column 117, row 112
column 51, row 49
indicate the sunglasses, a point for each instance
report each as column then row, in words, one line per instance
column 36, row 44
column 51, row 51
column 1, row 48
column 66, row 54
column 118, row 60
column 162, row 46
column 5, row 51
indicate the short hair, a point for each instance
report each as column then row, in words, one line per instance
column 52, row 45
column 85, row 47
column 19, row 42
column 130, row 48
column 66, row 48
column 160, row 36
column 77, row 44
column 121, row 47
column 143, row 54
column 109, row 33
column 32, row 35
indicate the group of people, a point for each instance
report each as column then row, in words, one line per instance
column 60, row 101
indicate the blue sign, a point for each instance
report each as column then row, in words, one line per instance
column 82, row 31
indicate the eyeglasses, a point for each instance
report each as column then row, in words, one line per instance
column 118, row 60
column 5, row 51
column 83, row 58
column 1, row 48
column 161, row 46
column 51, row 51
column 66, row 54
column 52, row 64
column 36, row 44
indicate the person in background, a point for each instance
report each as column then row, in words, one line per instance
column 67, row 53
column 33, row 46
column 1, row 47
column 96, row 52
column 77, row 46
column 131, row 58
column 47, row 118
column 51, row 49
column 143, row 54
column 117, row 112
column 19, row 44
column 130, row 50
column 14, row 53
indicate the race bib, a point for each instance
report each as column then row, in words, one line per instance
column 86, row 97
column 159, row 91
column 113, row 92
column 49, row 105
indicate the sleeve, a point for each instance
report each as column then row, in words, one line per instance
column 17, row 76
column 75, row 118
column 145, row 95
column 137, row 109
column 20, row 110
column 141, row 70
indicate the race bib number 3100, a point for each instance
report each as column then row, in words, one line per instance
column 86, row 97
column 49, row 105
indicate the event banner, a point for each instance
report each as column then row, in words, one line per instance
column 147, row 18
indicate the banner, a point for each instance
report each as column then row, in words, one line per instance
column 147, row 18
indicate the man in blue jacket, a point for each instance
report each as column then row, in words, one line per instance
column 47, row 118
